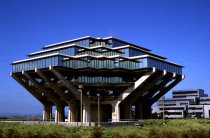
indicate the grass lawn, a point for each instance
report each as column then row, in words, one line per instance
column 176, row 128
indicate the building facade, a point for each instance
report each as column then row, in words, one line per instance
column 89, row 73
column 185, row 103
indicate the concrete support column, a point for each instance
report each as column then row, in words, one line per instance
column 74, row 111
column 59, row 113
column 146, row 113
column 47, row 113
column 138, row 110
column 86, row 112
column 115, row 112
column 127, row 111
column 69, row 115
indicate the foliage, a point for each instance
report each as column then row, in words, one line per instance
column 1, row 133
column 96, row 132
column 174, row 128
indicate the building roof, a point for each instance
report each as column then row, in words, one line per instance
column 72, row 40
column 85, row 37
column 185, row 90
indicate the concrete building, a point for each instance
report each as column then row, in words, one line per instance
column 185, row 103
column 90, row 74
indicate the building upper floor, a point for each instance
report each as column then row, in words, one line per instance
column 92, row 52
column 190, row 93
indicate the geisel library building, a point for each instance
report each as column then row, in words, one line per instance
column 89, row 74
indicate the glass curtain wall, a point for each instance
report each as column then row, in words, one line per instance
column 115, row 43
column 100, row 79
column 95, row 63
column 39, row 63
column 66, row 51
column 84, row 42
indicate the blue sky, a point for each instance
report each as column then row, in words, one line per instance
column 176, row 29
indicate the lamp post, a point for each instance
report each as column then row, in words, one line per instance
column 98, row 95
column 81, row 110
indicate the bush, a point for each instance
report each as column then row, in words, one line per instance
column 184, row 135
column 208, row 133
column 134, row 135
column 199, row 134
column 50, row 135
column 154, row 133
column 117, row 135
column 175, row 128
column 12, row 133
column 96, row 132
column 76, row 136
column 169, row 134
column 1, row 133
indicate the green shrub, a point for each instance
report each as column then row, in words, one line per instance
column 199, row 134
column 153, row 133
column 180, row 128
column 117, row 135
column 1, row 133
column 208, row 133
column 50, row 135
column 96, row 132
column 169, row 134
column 76, row 136
column 152, row 122
column 134, row 135
column 12, row 133
column 184, row 135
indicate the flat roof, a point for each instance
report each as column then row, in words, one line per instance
column 52, row 49
column 147, row 52
column 101, row 56
column 72, row 57
column 63, row 42
column 150, row 56
column 72, row 45
column 95, row 47
column 187, row 90
column 40, row 57
column 111, row 37
column 85, row 37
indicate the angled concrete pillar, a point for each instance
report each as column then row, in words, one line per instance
column 50, row 95
column 65, row 82
column 167, row 78
column 136, row 85
column 142, row 90
column 56, row 89
column 75, row 92
column 47, row 113
column 177, row 79
column 115, row 112
column 125, row 112
column 59, row 113
column 74, row 112
column 146, row 112
column 37, row 95
column 138, row 110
